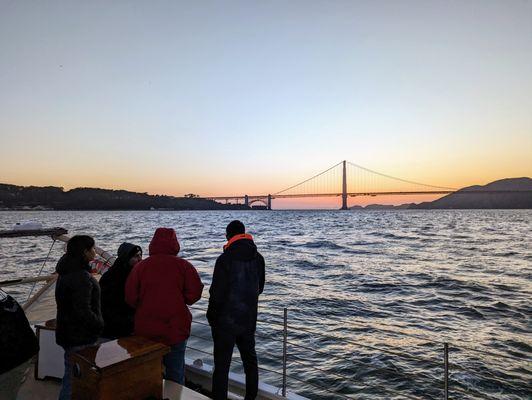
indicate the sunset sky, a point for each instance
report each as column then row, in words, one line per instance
column 216, row 98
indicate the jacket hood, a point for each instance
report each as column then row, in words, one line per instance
column 242, row 249
column 164, row 242
column 68, row 264
column 127, row 250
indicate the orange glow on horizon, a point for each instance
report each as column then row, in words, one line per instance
column 168, row 182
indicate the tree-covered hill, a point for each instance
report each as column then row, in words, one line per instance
column 51, row 197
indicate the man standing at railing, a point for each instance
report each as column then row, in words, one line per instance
column 237, row 282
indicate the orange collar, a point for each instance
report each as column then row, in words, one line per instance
column 238, row 237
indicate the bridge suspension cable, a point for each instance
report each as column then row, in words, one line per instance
column 399, row 179
column 308, row 180
column 359, row 181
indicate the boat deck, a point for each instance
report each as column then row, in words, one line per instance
column 49, row 389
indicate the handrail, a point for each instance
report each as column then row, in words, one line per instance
column 300, row 361
column 350, row 360
column 236, row 360
column 256, row 333
column 201, row 337
column 297, row 360
column 370, row 347
column 363, row 325
column 451, row 344
column 200, row 323
column 271, row 323
column 315, row 385
column 45, row 287
column 493, row 354
column 195, row 307
column 476, row 393
column 349, row 378
column 320, row 387
column 365, row 346
column 209, row 339
column 279, row 373
column 42, row 267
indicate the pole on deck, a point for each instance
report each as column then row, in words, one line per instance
column 446, row 370
column 285, row 338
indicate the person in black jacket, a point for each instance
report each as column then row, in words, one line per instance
column 237, row 282
column 18, row 344
column 118, row 316
column 77, row 294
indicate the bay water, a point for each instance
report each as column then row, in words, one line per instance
column 371, row 296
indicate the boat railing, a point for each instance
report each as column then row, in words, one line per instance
column 286, row 332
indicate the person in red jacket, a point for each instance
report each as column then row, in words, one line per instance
column 160, row 288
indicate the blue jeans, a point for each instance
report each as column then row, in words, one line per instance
column 174, row 363
column 66, row 387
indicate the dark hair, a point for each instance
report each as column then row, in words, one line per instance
column 77, row 245
column 235, row 228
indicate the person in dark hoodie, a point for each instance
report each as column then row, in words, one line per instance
column 118, row 316
column 18, row 344
column 77, row 294
column 160, row 288
column 237, row 282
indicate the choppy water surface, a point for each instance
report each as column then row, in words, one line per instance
column 372, row 296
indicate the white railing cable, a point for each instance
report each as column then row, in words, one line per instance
column 40, row 271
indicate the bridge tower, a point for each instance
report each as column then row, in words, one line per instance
column 246, row 200
column 344, row 187
column 269, row 202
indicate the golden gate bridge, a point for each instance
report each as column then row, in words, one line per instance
column 344, row 180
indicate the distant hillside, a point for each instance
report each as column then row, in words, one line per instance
column 32, row 197
column 510, row 193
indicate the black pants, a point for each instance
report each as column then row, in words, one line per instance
column 224, row 343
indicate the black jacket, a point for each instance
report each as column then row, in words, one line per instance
column 77, row 294
column 237, row 282
column 117, row 315
column 17, row 340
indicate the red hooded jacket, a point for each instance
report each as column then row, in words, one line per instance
column 160, row 287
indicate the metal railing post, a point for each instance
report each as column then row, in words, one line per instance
column 446, row 370
column 285, row 338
